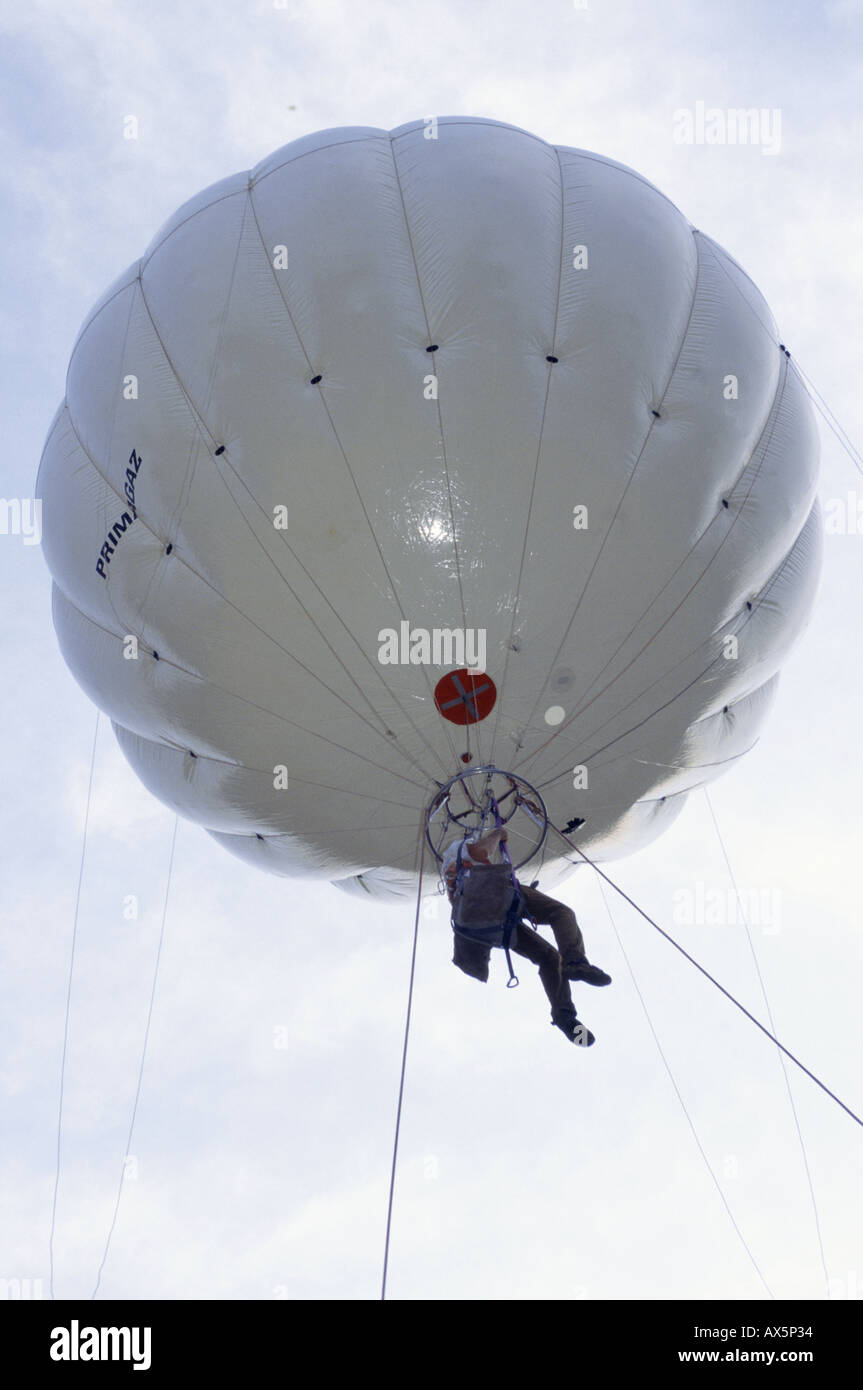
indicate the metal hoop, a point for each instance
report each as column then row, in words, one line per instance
column 466, row 803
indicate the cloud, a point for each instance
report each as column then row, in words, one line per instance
column 264, row 1168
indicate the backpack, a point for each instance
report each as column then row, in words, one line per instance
column 487, row 906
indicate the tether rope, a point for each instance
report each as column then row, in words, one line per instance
column 404, row 1065
column 711, row 978
column 772, row 1025
column 69, row 1003
column 143, row 1059
column 679, row 1094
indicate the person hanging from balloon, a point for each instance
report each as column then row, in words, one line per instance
column 464, row 857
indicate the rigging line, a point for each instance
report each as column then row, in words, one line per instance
column 248, row 208
column 850, row 451
column 338, row 440
column 375, row 670
column 745, row 618
column 229, row 604
column 199, row 420
column 343, row 829
column 813, row 392
column 444, row 455
column 198, row 416
column 244, row 700
column 819, row 402
column 363, row 653
column 651, row 762
column 143, row 1059
column 428, row 329
column 404, row 1061
column 292, row 723
column 679, row 1095
column 673, row 767
column 385, row 566
column 518, row 582
column 539, row 443
column 376, row 799
column 756, row 458
column 708, row 975
column 549, row 781
column 576, row 714
column 713, row 249
column 621, row 499
column 69, row 1000
column 319, row 630
column 117, row 397
column 773, row 1026
column 316, row 149
column 632, row 756
column 224, row 316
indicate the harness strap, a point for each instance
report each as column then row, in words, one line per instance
column 513, row 916
column 512, row 982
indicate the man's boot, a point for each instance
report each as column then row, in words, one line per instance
column 580, row 968
column 565, row 1018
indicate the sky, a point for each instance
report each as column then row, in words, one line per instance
column 260, row 1159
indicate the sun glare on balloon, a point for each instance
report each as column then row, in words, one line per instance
column 434, row 530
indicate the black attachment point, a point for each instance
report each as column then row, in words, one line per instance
column 535, row 883
column 551, row 359
column 749, row 605
column 155, row 656
column 315, row 380
column 725, row 501
column 169, row 548
column 220, row 450
column 432, row 347
column 573, row 825
column 655, row 413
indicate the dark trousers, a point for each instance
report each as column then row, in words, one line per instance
column 473, row 958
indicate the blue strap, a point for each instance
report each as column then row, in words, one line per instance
column 513, row 917
column 512, row 982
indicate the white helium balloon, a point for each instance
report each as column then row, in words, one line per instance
column 393, row 392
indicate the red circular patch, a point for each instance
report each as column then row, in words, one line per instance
column 465, row 697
